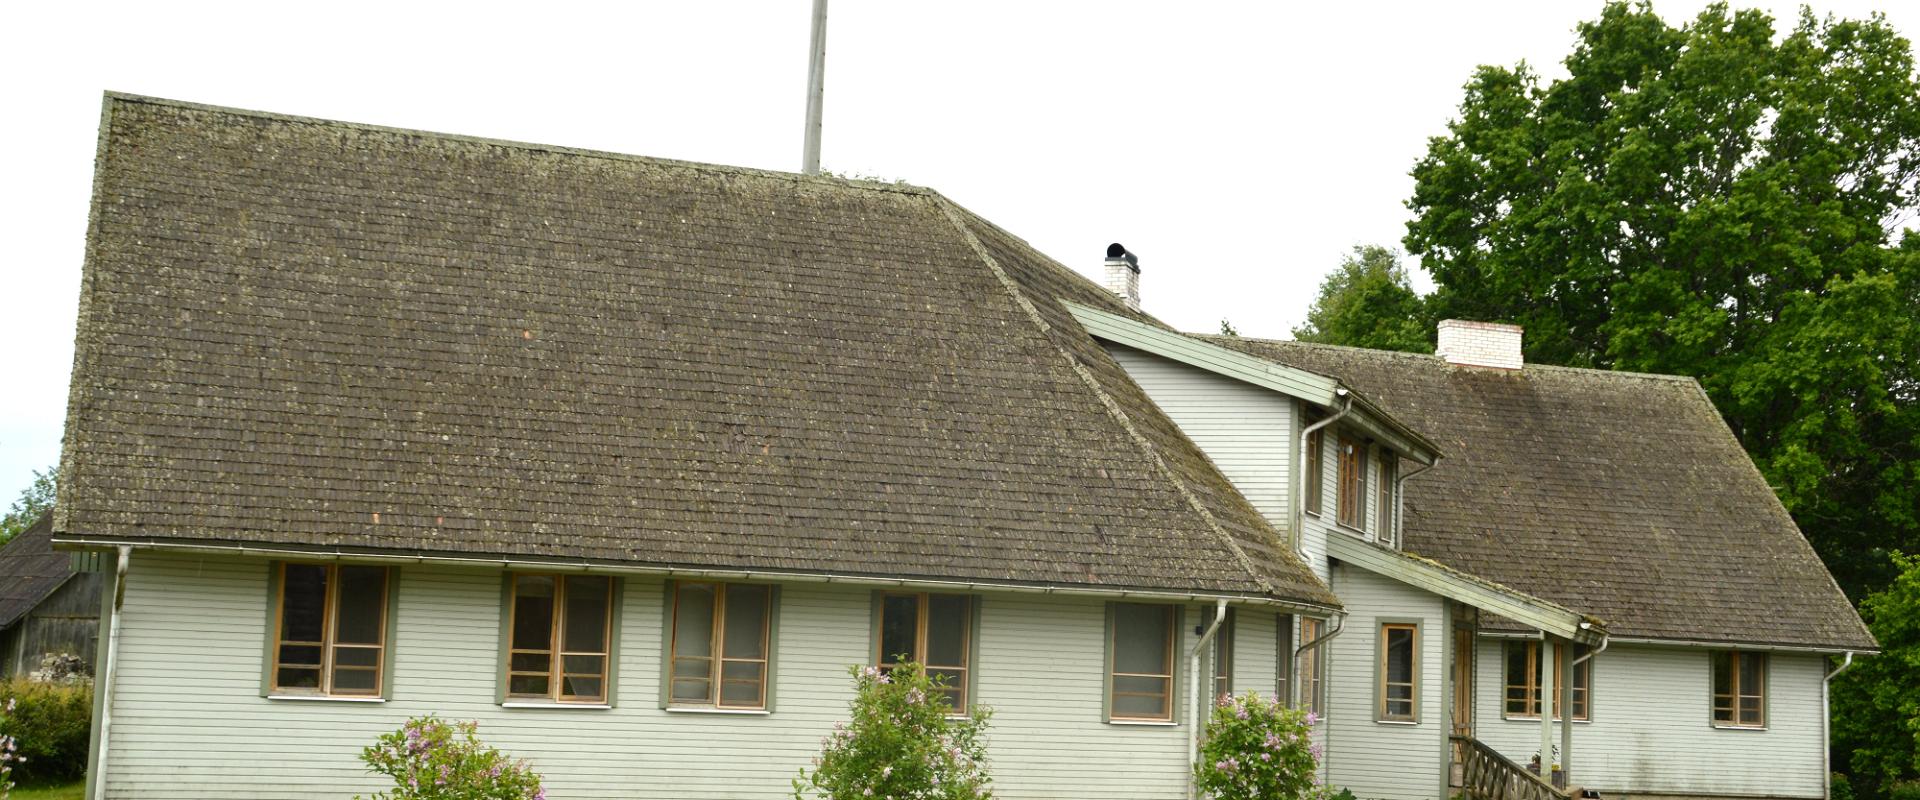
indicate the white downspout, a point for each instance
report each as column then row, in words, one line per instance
column 1193, row 697
column 1300, row 482
column 1400, row 501
column 1826, row 740
column 1339, row 627
column 105, row 683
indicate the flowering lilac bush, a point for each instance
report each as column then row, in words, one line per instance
column 432, row 759
column 902, row 744
column 9, row 752
column 1257, row 749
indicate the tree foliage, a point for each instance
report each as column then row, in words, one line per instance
column 34, row 501
column 1368, row 301
column 1716, row 200
column 1876, row 704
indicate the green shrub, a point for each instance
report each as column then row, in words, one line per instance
column 1257, row 749
column 902, row 743
column 432, row 759
column 49, row 724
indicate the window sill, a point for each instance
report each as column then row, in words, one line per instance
column 738, row 712
column 538, row 704
column 1402, row 722
column 326, row 698
column 1556, row 720
column 1756, row 728
column 1145, row 723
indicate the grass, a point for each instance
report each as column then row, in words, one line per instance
column 65, row 791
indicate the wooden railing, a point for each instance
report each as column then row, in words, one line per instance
column 1487, row 775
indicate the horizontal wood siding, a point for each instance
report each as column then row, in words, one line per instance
column 1650, row 732
column 189, row 722
column 1396, row 761
column 1256, row 654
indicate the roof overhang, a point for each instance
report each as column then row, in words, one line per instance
column 1301, row 384
column 1455, row 585
column 321, row 553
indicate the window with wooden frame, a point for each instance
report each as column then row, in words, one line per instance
column 1140, row 662
column 1523, row 681
column 1316, row 476
column 559, row 637
column 330, row 630
column 1389, row 468
column 1223, row 657
column 933, row 630
column 1312, row 670
column 1739, row 689
column 1352, row 511
column 721, row 645
column 1399, row 671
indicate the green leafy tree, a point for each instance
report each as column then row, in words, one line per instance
column 1719, row 201
column 1876, row 704
column 1368, row 301
column 34, row 501
column 1227, row 329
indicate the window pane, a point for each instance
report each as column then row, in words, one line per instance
column 899, row 627
column 947, row 630
column 1752, row 674
column 355, row 681
column 746, row 623
column 356, row 657
column 1140, row 636
column 297, row 678
column 1722, row 674
column 586, row 617
column 580, row 687
column 955, row 680
column 583, row 665
column 530, row 662
column 363, row 605
column 693, row 621
column 693, row 690
column 300, row 655
column 1284, row 665
column 740, row 683
column 1400, row 655
column 535, row 685
column 303, row 605
column 1749, row 710
column 1139, row 697
column 532, row 612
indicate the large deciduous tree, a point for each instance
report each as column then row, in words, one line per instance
column 1721, row 200
column 1368, row 301
column 34, row 501
column 1876, row 706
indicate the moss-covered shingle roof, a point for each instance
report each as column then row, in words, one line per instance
column 1619, row 495
column 30, row 569
column 312, row 333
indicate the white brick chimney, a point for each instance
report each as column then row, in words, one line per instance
column 1479, row 344
column 1123, row 275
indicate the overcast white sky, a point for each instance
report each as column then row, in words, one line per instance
column 1238, row 148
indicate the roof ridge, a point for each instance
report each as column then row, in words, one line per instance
column 1119, row 415
column 728, row 169
column 1625, row 373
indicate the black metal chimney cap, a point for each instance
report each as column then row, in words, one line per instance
column 1118, row 252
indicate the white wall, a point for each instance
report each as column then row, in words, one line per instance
column 188, row 721
column 1650, row 732
column 1395, row 761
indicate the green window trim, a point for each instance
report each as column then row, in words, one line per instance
column 270, row 645
column 769, row 689
column 1384, row 630
column 616, row 600
column 1176, row 645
